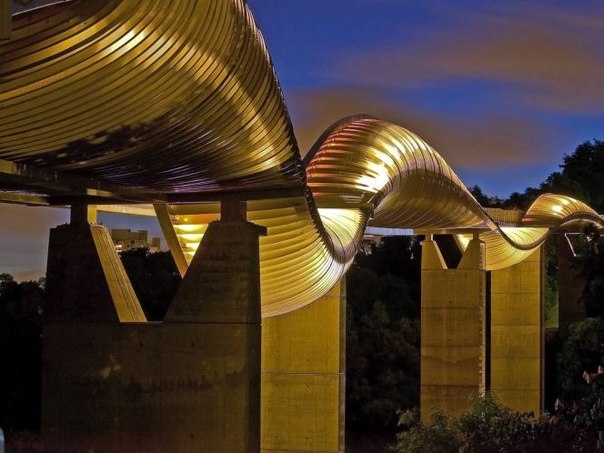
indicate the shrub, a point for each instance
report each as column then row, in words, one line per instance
column 489, row 427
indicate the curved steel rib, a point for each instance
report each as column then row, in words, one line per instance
column 363, row 170
column 175, row 96
column 181, row 98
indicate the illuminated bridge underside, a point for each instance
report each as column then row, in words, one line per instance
column 177, row 104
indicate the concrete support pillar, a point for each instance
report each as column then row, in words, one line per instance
column 82, row 213
column 303, row 377
column 188, row 384
column 452, row 329
column 517, row 334
column 85, row 278
column 220, row 296
column 88, row 295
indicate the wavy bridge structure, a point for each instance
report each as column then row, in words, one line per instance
column 176, row 105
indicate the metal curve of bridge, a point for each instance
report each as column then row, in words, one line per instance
column 177, row 104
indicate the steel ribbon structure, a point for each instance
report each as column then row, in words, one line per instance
column 177, row 104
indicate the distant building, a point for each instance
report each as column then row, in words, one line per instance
column 124, row 239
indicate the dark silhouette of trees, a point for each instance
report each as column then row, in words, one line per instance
column 581, row 177
column 155, row 279
column 590, row 261
column 20, row 353
column 583, row 350
column 484, row 200
column 382, row 346
column 488, row 427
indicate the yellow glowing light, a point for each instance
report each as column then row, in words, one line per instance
column 192, row 237
column 190, row 120
column 190, row 228
column 192, row 246
column 376, row 179
column 557, row 208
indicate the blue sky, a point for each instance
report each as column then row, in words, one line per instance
column 502, row 89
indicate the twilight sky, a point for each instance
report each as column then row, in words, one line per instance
column 501, row 89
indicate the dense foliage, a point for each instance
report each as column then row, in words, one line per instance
column 590, row 261
column 155, row 279
column 581, row 177
column 489, row 427
column 382, row 343
column 20, row 353
column 583, row 351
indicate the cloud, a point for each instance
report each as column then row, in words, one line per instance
column 29, row 220
column 535, row 54
column 465, row 141
column 24, row 233
column 491, row 86
column 24, row 238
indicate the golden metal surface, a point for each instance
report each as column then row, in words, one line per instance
column 180, row 99
column 520, row 234
column 138, row 93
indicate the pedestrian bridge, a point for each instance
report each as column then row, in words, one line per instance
column 130, row 102
column 177, row 105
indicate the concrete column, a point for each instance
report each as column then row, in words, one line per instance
column 452, row 329
column 220, row 295
column 188, row 384
column 303, row 377
column 85, row 278
column 83, row 213
column 517, row 334
column 87, row 292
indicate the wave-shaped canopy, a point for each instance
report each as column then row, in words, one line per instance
column 177, row 103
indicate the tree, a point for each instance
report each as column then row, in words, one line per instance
column 382, row 369
column 155, row 279
column 550, row 295
column 582, row 175
column 590, row 262
column 521, row 201
column 488, row 427
column 582, row 350
column 395, row 263
column 484, row 200
column 382, row 346
column 477, row 193
column 20, row 353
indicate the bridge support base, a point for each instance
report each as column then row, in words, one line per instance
column 452, row 329
column 517, row 335
column 190, row 383
column 303, row 377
